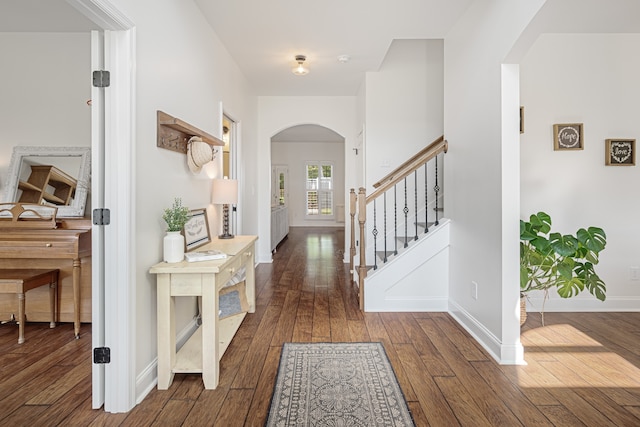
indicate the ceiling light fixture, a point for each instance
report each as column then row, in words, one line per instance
column 300, row 69
column 344, row 58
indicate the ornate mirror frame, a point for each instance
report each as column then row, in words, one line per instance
column 77, row 206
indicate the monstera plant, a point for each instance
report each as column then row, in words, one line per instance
column 561, row 261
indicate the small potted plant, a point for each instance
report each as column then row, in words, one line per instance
column 173, row 244
column 553, row 260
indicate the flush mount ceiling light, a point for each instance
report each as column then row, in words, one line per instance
column 300, row 69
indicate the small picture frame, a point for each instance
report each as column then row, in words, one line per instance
column 196, row 230
column 620, row 152
column 568, row 136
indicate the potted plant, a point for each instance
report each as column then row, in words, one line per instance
column 173, row 244
column 553, row 260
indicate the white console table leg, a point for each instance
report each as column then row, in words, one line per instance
column 166, row 332
column 210, row 338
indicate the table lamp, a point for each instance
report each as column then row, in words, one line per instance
column 225, row 193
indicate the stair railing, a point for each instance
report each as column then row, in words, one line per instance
column 410, row 205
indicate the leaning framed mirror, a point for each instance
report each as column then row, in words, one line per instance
column 50, row 176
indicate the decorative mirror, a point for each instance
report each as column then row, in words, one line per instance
column 50, row 176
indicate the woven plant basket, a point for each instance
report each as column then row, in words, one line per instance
column 523, row 310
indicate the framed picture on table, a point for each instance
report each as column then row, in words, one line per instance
column 196, row 230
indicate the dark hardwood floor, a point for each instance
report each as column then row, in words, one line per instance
column 583, row 368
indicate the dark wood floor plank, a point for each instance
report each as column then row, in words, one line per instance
column 205, row 410
column 303, row 328
column 235, row 408
column 514, row 398
column 56, row 413
column 434, row 405
column 463, row 405
column 21, row 394
column 321, row 323
column 454, row 348
column 561, row 417
column 173, row 413
column 250, row 368
column 262, row 397
column 61, row 385
column 286, row 322
column 431, row 357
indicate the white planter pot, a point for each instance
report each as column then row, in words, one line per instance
column 173, row 245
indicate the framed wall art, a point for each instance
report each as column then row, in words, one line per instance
column 568, row 136
column 620, row 152
column 196, row 230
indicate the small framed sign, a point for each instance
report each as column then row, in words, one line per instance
column 196, row 230
column 568, row 136
column 620, row 152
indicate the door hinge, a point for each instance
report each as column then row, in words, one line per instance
column 101, row 78
column 102, row 355
column 101, row 216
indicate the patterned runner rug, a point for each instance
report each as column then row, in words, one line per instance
column 345, row 384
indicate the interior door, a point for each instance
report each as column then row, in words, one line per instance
column 97, row 232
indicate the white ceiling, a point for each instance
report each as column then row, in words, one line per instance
column 263, row 37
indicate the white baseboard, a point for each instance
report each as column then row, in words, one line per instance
column 503, row 354
column 584, row 303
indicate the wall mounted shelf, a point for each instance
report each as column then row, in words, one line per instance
column 174, row 133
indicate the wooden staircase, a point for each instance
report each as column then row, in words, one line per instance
column 415, row 214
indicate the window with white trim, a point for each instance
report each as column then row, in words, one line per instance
column 319, row 190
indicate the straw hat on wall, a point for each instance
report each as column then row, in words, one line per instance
column 199, row 153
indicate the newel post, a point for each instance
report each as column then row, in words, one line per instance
column 362, row 268
column 352, row 212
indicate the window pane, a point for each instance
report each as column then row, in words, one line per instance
column 326, row 171
column 282, row 189
column 326, row 203
column 312, row 203
column 312, row 171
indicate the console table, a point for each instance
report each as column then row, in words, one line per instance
column 20, row 247
column 204, row 349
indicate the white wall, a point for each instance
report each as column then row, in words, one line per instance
column 45, row 82
column 295, row 155
column 590, row 79
column 403, row 105
column 183, row 70
column 482, row 185
column 280, row 112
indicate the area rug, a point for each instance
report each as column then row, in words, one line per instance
column 336, row 384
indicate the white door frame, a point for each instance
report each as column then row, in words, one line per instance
column 119, row 195
column 97, row 233
column 234, row 168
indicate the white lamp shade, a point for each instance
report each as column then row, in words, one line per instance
column 224, row 192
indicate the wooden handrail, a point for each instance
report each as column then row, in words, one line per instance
column 438, row 146
column 401, row 168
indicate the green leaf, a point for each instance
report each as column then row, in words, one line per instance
column 542, row 245
column 594, row 238
column 565, row 268
column 541, row 222
column 569, row 288
column 597, row 287
column 563, row 245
